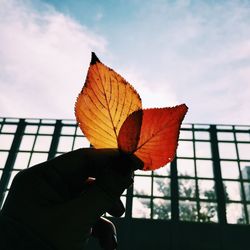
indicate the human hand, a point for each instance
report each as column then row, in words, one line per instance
column 58, row 203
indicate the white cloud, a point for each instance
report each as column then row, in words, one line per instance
column 158, row 96
column 43, row 62
column 198, row 53
column 171, row 51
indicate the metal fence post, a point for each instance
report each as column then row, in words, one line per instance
column 11, row 159
column 174, row 192
column 218, row 178
column 55, row 139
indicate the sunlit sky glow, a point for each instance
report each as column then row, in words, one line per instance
column 193, row 52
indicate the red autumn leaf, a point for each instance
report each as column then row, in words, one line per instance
column 158, row 135
column 129, row 134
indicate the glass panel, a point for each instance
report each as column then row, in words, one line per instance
column 27, row 142
column 204, row 168
column 22, row 160
column 142, row 172
column 200, row 135
column 208, row 212
column 203, row 149
column 12, row 175
column 242, row 127
column 232, row 190
column 70, row 122
column 225, row 136
column 65, row 144
column 161, row 187
column 201, row 126
column 245, row 170
column 224, row 127
column 185, row 167
column 185, row 125
column 37, row 158
column 31, row 129
column 188, row 211
column 242, row 136
column 43, row 143
column 161, row 209
column 185, row 149
column 244, row 150
column 227, row 150
column 66, row 130
column 48, row 121
column 142, row 185
column 32, row 120
column 229, row 170
column 15, row 120
column 187, row 188
column 186, row 134
column 141, row 208
column 46, row 130
column 164, row 171
column 207, row 189
column 79, row 131
column 6, row 141
column 235, row 213
column 124, row 192
column 9, row 128
column 247, row 190
column 81, row 142
column 3, row 158
column 124, row 200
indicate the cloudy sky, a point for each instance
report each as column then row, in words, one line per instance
column 172, row 52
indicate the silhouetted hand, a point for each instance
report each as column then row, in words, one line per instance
column 59, row 202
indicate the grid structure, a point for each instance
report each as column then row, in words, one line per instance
column 209, row 180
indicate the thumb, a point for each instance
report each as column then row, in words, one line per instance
column 117, row 210
column 105, row 231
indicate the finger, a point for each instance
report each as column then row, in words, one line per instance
column 82, row 212
column 91, row 161
column 105, row 231
column 117, row 209
column 76, row 166
column 82, row 162
column 129, row 161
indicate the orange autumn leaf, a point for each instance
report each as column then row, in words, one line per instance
column 104, row 103
column 158, row 135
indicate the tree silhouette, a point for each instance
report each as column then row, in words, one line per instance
column 187, row 210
